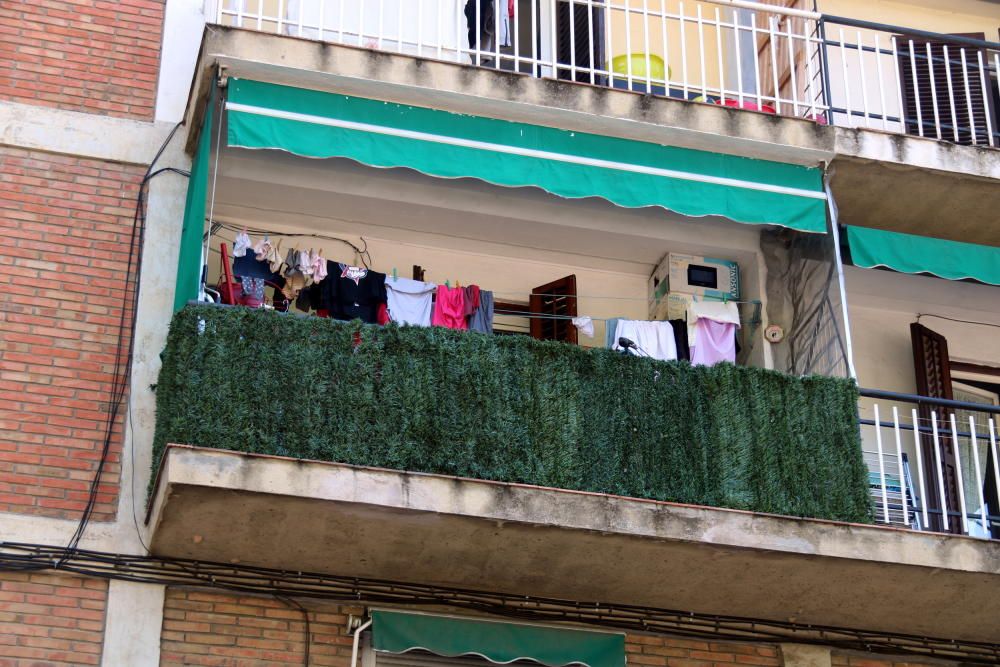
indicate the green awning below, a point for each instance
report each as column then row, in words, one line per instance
column 497, row 641
column 906, row 253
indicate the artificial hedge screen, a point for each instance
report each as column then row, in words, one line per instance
column 510, row 408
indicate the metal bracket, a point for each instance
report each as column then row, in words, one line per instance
column 223, row 77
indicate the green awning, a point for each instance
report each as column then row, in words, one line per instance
column 569, row 164
column 922, row 254
column 496, row 641
column 189, row 260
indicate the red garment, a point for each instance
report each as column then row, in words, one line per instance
column 449, row 308
column 510, row 8
column 471, row 299
column 382, row 316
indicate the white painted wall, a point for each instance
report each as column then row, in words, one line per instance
column 183, row 24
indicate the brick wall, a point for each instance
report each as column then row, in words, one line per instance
column 65, row 224
column 866, row 660
column 660, row 651
column 83, row 55
column 48, row 619
column 213, row 629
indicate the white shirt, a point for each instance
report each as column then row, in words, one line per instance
column 409, row 301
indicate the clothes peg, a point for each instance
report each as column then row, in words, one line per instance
column 725, row 298
column 447, row 284
column 394, row 277
column 458, row 285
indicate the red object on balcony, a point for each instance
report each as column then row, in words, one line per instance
column 749, row 106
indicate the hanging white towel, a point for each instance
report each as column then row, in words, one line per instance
column 654, row 339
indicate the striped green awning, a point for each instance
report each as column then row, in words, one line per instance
column 496, row 641
column 569, row 164
column 908, row 253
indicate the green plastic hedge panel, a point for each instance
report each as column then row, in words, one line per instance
column 513, row 409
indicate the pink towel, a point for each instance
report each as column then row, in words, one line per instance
column 713, row 342
column 449, row 308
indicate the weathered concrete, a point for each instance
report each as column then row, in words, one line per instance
column 275, row 512
column 133, row 624
column 82, row 134
column 913, row 200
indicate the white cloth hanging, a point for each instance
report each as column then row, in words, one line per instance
column 654, row 339
column 409, row 301
column 585, row 325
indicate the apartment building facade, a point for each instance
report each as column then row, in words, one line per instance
column 190, row 474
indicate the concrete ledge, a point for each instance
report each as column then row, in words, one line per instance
column 80, row 134
column 284, row 513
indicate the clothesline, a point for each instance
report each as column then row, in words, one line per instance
column 624, row 298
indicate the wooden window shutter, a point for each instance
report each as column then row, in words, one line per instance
column 933, row 372
column 974, row 104
column 589, row 53
column 558, row 299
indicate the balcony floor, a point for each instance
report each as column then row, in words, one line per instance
column 339, row 519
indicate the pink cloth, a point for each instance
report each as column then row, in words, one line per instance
column 713, row 342
column 449, row 308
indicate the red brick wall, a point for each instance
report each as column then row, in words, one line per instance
column 660, row 651
column 213, row 629
column 866, row 660
column 84, row 55
column 48, row 619
column 65, row 224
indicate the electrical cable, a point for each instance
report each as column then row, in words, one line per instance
column 248, row 579
column 952, row 319
column 123, row 356
column 307, row 644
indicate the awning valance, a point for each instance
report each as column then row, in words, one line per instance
column 568, row 164
column 922, row 254
column 496, row 641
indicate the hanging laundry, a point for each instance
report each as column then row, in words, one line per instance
column 353, row 292
column 485, row 26
column 482, row 319
column 241, row 244
column 318, row 265
column 654, row 339
column 262, row 248
column 305, row 263
column 471, row 299
column 505, row 37
column 410, row 301
column 714, row 336
column 584, row 325
column 310, row 298
column 253, row 291
column 681, row 339
column 610, row 326
column 248, row 266
column 449, row 308
column 273, row 258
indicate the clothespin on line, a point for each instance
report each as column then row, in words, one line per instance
column 394, row 277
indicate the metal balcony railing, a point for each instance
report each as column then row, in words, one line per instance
column 737, row 53
column 932, row 463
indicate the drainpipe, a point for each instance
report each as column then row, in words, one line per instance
column 835, row 231
column 357, row 638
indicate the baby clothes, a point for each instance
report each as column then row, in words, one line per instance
column 318, row 267
column 409, row 301
column 449, row 308
column 654, row 339
column 241, row 244
column 253, row 291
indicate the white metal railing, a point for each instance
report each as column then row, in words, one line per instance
column 731, row 52
column 932, row 466
column 737, row 53
column 938, row 86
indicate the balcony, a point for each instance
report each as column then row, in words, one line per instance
column 502, row 463
column 785, row 61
